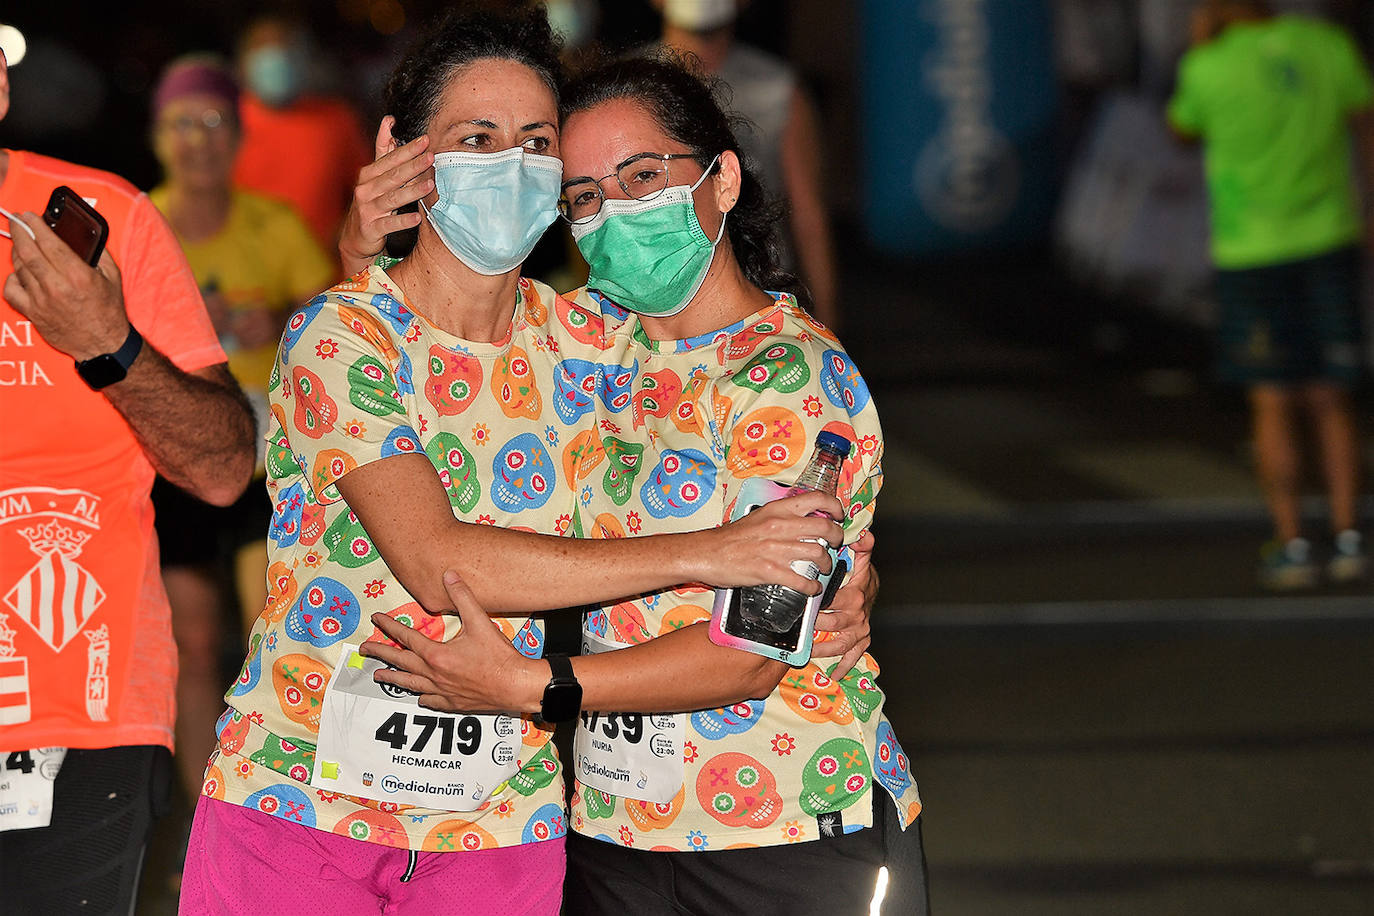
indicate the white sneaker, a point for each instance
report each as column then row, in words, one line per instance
column 1348, row 563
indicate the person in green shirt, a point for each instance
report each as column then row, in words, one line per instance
column 1276, row 102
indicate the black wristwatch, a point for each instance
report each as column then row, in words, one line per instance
column 563, row 696
column 108, row 368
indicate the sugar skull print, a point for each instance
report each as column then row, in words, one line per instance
column 739, row 791
column 616, row 384
column 329, row 465
column 647, row 815
column 454, row 381
column 290, row 803
column 767, row 442
column 325, row 613
column 581, row 455
column 373, row 827
column 747, row 340
column 296, row 326
column 736, row 719
column 546, row 823
column 370, row 327
column 623, row 463
column 400, row 441
column 842, row 384
column 523, row 474
column 579, row 324
column 529, row 641
column 815, row 696
column 251, row 672
column 316, row 411
column 456, row 835
column 862, row 691
column 893, row 770
column 681, row 483
column 295, row 760
column 513, row 384
column 457, row 470
column 575, row 382
column 781, row 367
column 657, row 396
column 835, row 777
column 372, row 388
column 393, row 311
column 347, row 542
column 285, row 527
column 686, row 413
column 300, row 681
column 281, row 591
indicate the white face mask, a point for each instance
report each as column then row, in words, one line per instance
column 699, row 15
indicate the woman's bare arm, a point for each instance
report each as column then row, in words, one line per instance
column 403, row 508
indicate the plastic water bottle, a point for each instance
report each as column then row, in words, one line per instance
column 777, row 607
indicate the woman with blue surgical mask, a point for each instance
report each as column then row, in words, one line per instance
column 434, row 439
column 791, row 801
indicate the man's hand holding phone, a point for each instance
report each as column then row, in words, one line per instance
column 76, row 308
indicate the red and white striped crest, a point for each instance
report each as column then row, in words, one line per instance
column 56, row 597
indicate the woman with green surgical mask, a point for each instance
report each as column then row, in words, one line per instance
column 789, row 802
column 432, row 436
column 650, row 252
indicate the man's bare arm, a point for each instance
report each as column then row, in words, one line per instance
column 196, row 428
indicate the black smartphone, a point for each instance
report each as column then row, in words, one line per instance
column 77, row 223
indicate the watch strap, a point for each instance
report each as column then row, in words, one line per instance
column 108, row 368
column 561, row 667
column 129, row 350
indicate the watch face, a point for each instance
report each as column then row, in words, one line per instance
column 562, row 701
column 101, row 370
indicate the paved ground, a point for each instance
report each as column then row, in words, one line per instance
column 1105, row 713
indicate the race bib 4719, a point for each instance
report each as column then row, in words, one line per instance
column 377, row 742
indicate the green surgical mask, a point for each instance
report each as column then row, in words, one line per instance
column 648, row 256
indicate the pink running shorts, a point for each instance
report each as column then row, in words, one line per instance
column 241, row 861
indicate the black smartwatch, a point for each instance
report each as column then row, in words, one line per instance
column 108, row 368
column 563, row 696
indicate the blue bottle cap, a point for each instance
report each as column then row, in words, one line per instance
column 834, row 442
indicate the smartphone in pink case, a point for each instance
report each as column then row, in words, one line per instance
column 729, row 629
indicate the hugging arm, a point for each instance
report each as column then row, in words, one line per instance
column 478, row 669
column 402, row 506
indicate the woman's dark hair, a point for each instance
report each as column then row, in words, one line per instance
column 460, row 37
column 681, row 101
column 455, row 40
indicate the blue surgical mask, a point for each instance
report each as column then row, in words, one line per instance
column 275, row 74
column 493, row 207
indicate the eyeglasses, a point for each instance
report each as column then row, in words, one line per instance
column 209, row 120
column 643, row 176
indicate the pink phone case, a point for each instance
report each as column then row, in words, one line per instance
column 754, row 493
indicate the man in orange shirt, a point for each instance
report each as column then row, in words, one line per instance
column 107, row 375
column 300, row 147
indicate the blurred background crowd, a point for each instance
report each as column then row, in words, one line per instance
column 1107, row 713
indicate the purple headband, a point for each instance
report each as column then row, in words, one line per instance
column 195, row 78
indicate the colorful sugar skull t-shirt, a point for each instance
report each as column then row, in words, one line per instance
column 359, row 378
column 687, row 422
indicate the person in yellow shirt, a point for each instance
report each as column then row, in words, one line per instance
column 255, row 262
